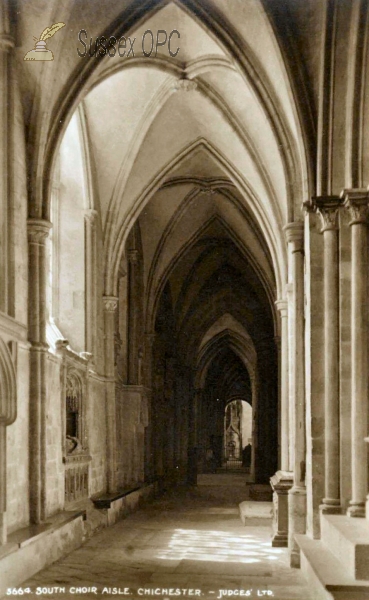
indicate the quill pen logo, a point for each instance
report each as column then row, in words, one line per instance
column 40, row 52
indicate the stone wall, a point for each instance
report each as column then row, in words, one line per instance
column 17, row 455
column 96, row 431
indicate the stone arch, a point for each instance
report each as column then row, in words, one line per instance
column 8, row 386
column 241, row 345
column 74, row 405
column 156, row 289
column 274, row 242
column 8, row 414
column 154, row 293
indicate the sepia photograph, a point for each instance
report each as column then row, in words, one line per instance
column 184, row 299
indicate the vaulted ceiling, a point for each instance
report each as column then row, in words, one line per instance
column 203, row 152
column 210, row 135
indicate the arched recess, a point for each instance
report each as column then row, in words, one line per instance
column 8, row 386
column 242, row 433
column 221, row 337
column 72, row 241
column 8, row 414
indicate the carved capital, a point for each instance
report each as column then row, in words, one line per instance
column 327, row 207
column 309, row 206
column 282, row 307
column 294, row 233
column 357, row 203
column 38, row 230
column 133, row 256
column 90, row 216
column 110, row 303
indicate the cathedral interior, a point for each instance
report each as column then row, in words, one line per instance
column 184, row 209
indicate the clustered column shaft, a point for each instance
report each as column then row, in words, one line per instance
column 283, row 370
column 38, row 231
column 133, row 258
column 356, row 201
column 328, row 208
column 110, row 307
column 297, row 494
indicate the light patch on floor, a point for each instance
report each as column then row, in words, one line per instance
column 190, row 539
column 218, row 546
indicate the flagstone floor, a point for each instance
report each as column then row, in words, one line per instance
column 187, row 544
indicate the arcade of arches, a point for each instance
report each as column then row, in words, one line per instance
column 184, row 268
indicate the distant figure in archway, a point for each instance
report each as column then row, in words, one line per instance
column 246, row 456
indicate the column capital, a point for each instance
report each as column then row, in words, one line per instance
column 110, row 303
column 38, row 230
column 294, row 233
column 91, row 215
column 133, row 256
column 327, row 207
column 282, row 307
column 357, row 202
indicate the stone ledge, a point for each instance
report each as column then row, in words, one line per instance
column 348, row 538
column 28, row 535
column 32, row 533
column 327, row 576
column 250, row 509
column 33, row 548
column 105, row 500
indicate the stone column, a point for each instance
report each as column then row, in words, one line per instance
column 38, row 230
column 283, row 384
column 149, row 467
column 357, row 203
column 281, row 484
column 90, row 284
column 297, row 494
column 282, row 481
column 6, row 46
column 3, row 487
column 327, row 207
column 254, row 431
column 193, row 437
column 133, row 257
column 277, row 341
column 367, row 498
column 123, row 324
column 291, row 409
column 110, row 307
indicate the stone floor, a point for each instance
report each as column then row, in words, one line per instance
column 190, row 543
